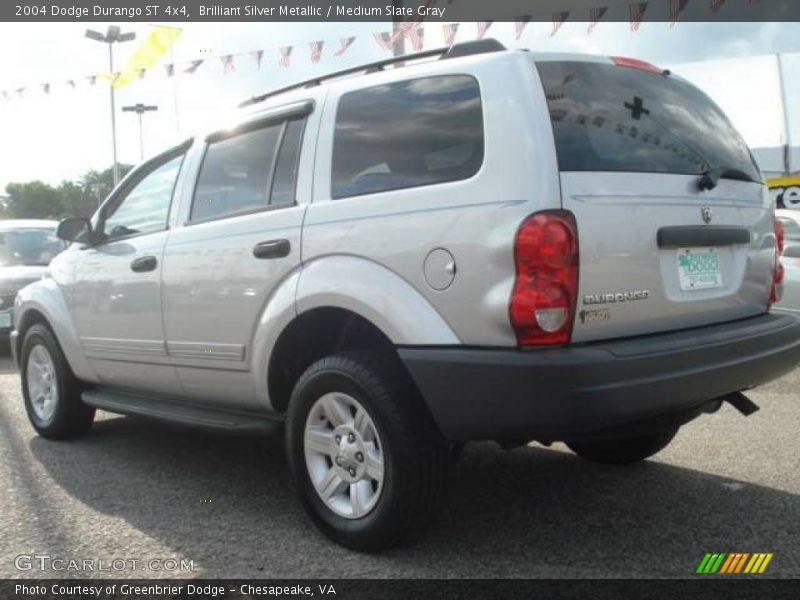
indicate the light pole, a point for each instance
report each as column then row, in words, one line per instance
column 140, row 109
column 113, row 35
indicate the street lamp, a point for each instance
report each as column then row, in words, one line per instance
column 112, row 36
column 140, row 109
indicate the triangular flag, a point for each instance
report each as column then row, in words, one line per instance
column 558, row 21
column 344, row 44
column 286, row 56
column 227, row 63
column 193, row 66
column 595, row 15
column 520, row 23
column 257, row 55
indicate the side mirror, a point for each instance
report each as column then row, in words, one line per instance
column 75, row 229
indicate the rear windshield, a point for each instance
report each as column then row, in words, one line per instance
column 611, row 118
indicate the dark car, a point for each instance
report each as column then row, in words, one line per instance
column 26, row 248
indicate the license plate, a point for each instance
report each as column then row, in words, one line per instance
column 5, row 320
column 698, row 268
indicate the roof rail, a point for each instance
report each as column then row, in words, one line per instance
column 455, row 51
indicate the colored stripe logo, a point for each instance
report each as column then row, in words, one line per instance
column 732, row 563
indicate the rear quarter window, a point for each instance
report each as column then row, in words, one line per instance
column 407, row 134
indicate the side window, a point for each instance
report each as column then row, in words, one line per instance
column 145, row 208
column 248, row 171
column 407, row 134
column 283, row 183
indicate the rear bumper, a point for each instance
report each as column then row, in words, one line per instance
column 562, row 393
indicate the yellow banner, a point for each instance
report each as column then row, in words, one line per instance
column 148, row 54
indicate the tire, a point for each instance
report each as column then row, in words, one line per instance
column 52, row 393
column 403, row 438
column 624, row 451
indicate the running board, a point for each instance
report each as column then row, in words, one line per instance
column 167, row 409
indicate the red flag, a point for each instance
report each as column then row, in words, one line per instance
column 450, row 30
column 413, row 32
column 316, row 50
column 286, row 56
column 595, row 14
column 257, row 55
column 344, row 44
column 716, row 5
column 483, row 27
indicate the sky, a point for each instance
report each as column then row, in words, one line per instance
column 63, row 134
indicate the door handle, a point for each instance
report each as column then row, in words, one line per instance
column 272, row 249
column 144, row 264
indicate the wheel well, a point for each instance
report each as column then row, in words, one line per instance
column 29, row 319
column 312, row 336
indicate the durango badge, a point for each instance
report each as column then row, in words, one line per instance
column 616, row 297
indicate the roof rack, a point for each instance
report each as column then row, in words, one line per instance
column 456, row 51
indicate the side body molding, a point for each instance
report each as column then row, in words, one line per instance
column 47, row 297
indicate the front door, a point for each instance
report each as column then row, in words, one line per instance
column 117, row 287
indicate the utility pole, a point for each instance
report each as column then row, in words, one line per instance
column 111, row 37
column 140, row 109
column 787, row 145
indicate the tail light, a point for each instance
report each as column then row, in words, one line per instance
column 542, row 306
column 777, row 275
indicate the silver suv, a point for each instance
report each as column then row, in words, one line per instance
column 481, row 245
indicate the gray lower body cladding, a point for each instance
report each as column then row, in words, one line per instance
column 561, row 393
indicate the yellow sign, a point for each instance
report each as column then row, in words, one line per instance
column 785, row 191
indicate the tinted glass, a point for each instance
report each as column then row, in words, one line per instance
column 283, row 182
column 611, row 118
column 234, row 177
column 146, row 207
column 29, row 247
column 407, row 134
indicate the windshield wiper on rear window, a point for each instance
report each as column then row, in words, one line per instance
column 710, row 179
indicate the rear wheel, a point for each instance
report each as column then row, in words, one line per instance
column 367, row 460
column 52, row 393
column 626, row 450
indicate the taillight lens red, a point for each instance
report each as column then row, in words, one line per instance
column 777, row 276
column 542, row 306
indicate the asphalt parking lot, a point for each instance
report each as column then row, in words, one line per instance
column 138, row 490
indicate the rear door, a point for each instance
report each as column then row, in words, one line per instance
column 657, row 252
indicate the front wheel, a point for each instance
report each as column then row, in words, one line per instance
column 52, row 393
column 623, row 451
column 366, row 458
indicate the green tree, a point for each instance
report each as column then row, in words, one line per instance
column 33, row 200
column 38, row 200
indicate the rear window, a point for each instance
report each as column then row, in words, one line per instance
column 407, row 134
column 611, row 118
